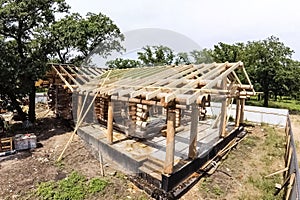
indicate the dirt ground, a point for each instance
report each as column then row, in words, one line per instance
column 20, row 173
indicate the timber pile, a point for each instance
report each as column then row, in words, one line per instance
column 101, row 108
column 142, row 114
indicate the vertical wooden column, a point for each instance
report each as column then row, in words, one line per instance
column 237, row 112
column 242, row 110
column 79, row 106
column 222, row 127
column 170, row 146
column 194, row 131
column 110, row 118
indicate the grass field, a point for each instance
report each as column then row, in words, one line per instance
column 292, row 105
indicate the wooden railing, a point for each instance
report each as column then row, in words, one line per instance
column 291, row 184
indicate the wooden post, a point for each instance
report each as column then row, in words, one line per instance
column 193, row 131
column 223, row 118
column 242, row 110
column 110, row 118
column 170, row 146
column 79, row 106
column 237, row 112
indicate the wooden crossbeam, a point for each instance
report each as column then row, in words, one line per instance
column 62, row 78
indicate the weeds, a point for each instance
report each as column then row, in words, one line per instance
column 74, row 187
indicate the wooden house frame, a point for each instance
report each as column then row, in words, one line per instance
column 171, row 88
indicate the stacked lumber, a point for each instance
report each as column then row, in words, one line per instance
column 101, row 108
column 60, row 101
column 177, row 117
column 142, row 114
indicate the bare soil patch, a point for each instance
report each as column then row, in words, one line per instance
column 240, row 176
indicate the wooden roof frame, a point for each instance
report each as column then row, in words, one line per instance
column 185, row 83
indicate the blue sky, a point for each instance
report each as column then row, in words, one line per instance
column 205, row 22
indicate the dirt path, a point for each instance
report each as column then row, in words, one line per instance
column 295, row 120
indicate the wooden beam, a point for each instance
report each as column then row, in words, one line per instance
column 222, row 127
column 194, row 131
column 242, row 101
column 222, row 75
column 170, row 146
column 237, row 112
column 62, row 78
column 69, row 75
column 79, row 106
column 110, row 119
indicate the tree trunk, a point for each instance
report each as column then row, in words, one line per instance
column 16, row 105
column 266, row 98
column 31, row 112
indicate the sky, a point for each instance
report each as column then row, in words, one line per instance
column 205, row 22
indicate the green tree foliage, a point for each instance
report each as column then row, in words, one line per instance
column 25, row 53
column 30, row 36
column 121, row 63
column 268, row 63
column 202, row 56
column 182, row 58
column 74, row 37
column 156, row 55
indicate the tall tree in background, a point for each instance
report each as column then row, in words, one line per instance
column 30, row 36
column 202, row 56
column 156, row 55
column 267, row 60
column 26, row 52
column 121, row 63
column 73, row 37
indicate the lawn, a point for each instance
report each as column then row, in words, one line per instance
column 292, row 105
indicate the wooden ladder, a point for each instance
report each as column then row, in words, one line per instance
column 6, row 144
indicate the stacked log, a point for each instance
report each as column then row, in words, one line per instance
column 101, row 108
column 177, row 117
column 142, row 114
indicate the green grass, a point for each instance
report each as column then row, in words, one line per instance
column 73, row 187
column 291, row 105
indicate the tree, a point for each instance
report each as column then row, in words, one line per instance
column 121, row 63
column 227, row 53
column 25, row 51
column 202, row 56
column 268, row 60
column 74, row 37
column 30, row 36
column 156, row 55
column 182, row 58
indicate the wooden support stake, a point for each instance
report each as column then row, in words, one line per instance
column 242, row 110
column 222, row 128
column 194, row 131
column 290, row 186
column 277, row 172
column 237, row 112
column 80, row 120
column 170, row 146
column 79, row 106
column 110, row 123
column 101, row 163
